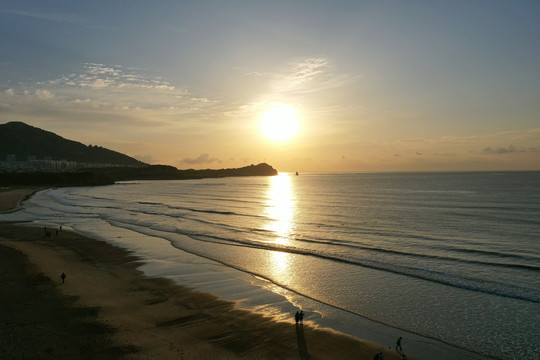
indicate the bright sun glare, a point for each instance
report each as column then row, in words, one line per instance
column 280, row 122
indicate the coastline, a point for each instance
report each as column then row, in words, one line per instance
column 143, row 317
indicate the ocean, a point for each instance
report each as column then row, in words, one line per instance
column 449, row 261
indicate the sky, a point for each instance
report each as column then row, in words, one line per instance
column 371, row 85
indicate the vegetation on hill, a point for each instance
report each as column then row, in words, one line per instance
column 101, row 166
column 25, row 141
column 165, row 172
column 108, row 175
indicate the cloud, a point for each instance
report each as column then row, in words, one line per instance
column 44, row 94
column 110, row 90
column 312, row 75
column 49, row 16
column 508, row 150
column 305, row 72
column 79, row 101
column 301, row 74
column 99, row 76
column 202, row 159
column 201, row 100
column 255, row 73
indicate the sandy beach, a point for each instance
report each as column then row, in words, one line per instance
column 107, row 309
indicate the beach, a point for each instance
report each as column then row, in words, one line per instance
column 107, row 309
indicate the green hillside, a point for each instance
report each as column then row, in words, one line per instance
column 28, row 142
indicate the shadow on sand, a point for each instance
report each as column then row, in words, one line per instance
column 301, row 341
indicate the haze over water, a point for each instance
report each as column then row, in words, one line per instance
column 452, row 256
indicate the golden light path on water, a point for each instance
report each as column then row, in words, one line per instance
column 281, row 210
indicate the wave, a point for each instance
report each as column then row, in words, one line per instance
column 329, row 242
column 333, row 246
column 517, row 218
column 484, row 286
column 482, row 241
column 440, row 257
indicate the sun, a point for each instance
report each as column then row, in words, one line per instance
column 280, row 122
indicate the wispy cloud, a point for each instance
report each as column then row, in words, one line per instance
column 98, row 76
column 454, row 148
column 44, row 94
column 201, row 159
column 106, row 88
column 508, row 150
column 49, row 16
column 304, row 72
column 311, row 76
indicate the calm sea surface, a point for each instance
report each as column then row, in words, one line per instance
column 450, row 256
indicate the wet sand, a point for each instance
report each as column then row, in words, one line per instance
column 107, row 309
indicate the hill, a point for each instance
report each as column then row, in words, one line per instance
column 22, row 142
column 166, row 172
column 33, row 154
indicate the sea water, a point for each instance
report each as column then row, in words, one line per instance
column 445, row 258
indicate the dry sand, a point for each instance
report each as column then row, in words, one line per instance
column 107, row 309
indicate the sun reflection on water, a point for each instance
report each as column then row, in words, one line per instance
column 280, row 210
column 280, row 263
column 281, row 207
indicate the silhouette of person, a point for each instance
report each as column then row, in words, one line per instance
column 63, row 276
column 296, row 317
column 301, row 341
column 379, row 356
column 301, row 317
column 398, row 344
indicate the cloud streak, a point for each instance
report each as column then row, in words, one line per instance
column 106, row 89
column 201, row 159
column 508, row 150
column 304, row 72
column 49, row 16
column 311, row 76
column 100, row 76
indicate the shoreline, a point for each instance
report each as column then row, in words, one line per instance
column 145, row 317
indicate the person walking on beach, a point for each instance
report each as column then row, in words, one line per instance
column 398, row 344
column 301, row 317
column 63, row 276
column 296, row 317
